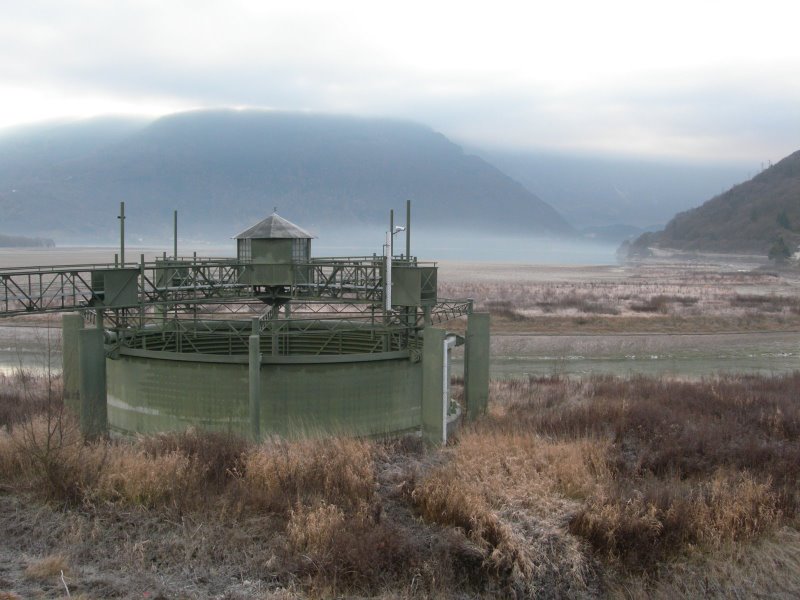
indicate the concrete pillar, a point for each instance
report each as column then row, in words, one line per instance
column 92, row 360
column 71, row 324
column 476, row 365
column 433, row 412
column 255, row 387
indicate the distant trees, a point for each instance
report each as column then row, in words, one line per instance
column 783, row 220
column 780, row 251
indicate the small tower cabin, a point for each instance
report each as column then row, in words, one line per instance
column 273, row 252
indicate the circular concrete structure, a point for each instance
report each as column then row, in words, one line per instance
column 314, row 376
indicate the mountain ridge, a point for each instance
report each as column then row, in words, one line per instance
column 229, row 168
column 750, row 217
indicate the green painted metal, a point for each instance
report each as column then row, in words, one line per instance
column 147, row 394
column 272, row 251
column 114, row 288
column 254, row 373
column 406, row 286
column 71, row 324
column 92, row 375
column 433, row 410
column 413, row 285
column 476, row 365
column 273, row 342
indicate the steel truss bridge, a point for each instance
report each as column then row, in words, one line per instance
column 192, row 304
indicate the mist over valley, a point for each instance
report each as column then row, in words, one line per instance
column 338, row 177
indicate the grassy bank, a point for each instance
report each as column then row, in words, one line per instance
column 601, row 487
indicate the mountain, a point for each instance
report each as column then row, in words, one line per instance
column 598, row 191
column 224, row 170
column 18, row 241
column 749, row 217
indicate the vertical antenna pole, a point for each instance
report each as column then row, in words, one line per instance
column 391, row 232
column 175, row 234
column 121, row 218
column 408, row 229
column 388, row 282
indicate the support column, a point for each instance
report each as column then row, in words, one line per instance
column 433, row 413
column 71, row 324
column 92, row 360
column 255, row 387
column 476, row 365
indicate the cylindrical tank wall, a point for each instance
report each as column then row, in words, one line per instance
column 361, row 395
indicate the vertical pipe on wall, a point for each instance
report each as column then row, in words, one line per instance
column 449, row 342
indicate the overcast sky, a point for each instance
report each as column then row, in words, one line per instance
column 695, row 79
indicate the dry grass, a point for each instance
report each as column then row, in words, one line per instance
column 48, row 568
column 567, row 488
column 280, row 475
column 652, row 475
column 663, row 297
column 22, row 395
column 698, row 464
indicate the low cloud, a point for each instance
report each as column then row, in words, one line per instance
column 495, row 79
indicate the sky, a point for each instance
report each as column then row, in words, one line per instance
column 700, row 80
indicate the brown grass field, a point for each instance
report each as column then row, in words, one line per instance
column 658, row 297
column 582, row 488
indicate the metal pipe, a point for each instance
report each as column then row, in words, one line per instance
column 449, row 342
column 175, row 234
column 391, row 229
column 408, row 229
column 121, row 218
column 388, row 283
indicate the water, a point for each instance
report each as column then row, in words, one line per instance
column 689, row 356
column 33, row 349
column 520, row 356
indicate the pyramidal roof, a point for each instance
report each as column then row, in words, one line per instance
column 274, row 226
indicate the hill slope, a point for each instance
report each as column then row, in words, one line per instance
column 224, row 170
column 747, row 218
column 601, row 191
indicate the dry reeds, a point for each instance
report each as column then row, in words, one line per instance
column 280, row 474
column 665, row 466
column 48, row 568
column 651, row 298
column 564, row 485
